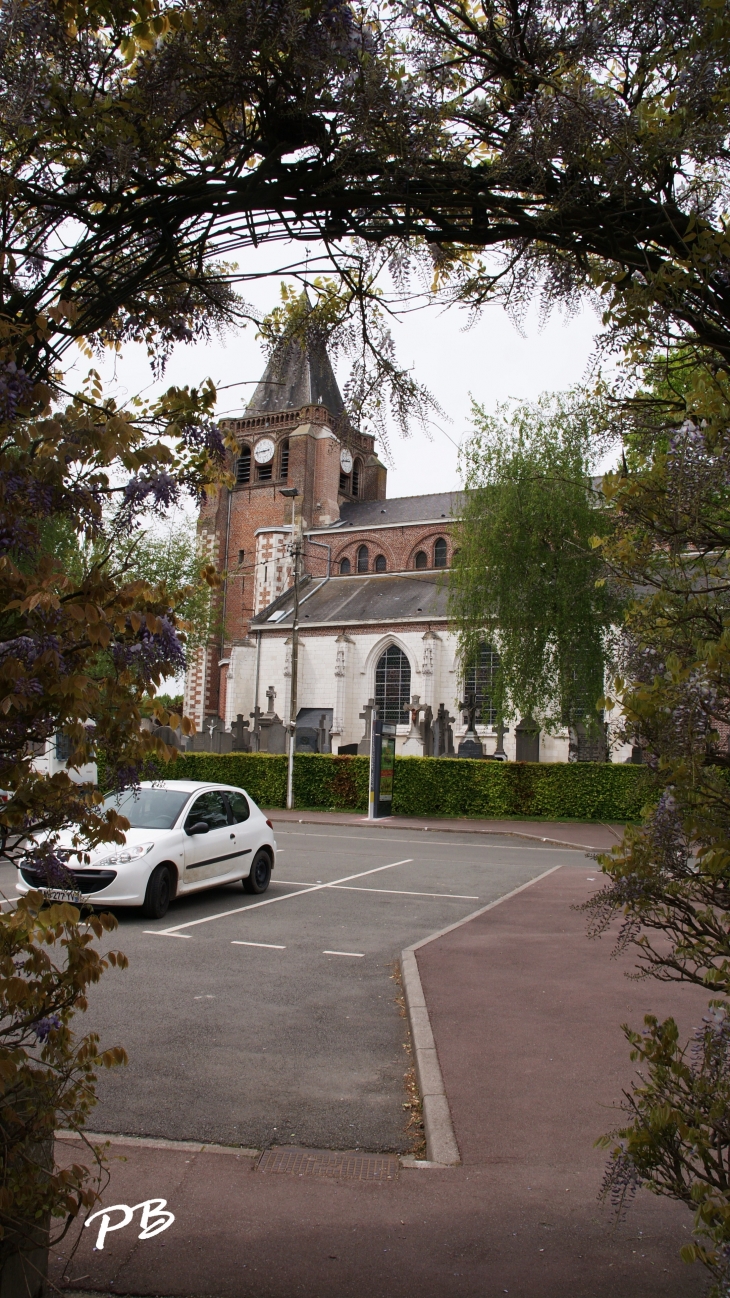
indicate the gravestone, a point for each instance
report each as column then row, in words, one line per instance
column 470, row 745
column 168, row 736
column 442, row 734
column 499, row 755
column 213, row 738
column 313, row 730
column 413, row 744
column 527, row 748
column 241, row 735
column 256, row 731
column 586, row 747
column 426, row 729
column 366, row 715
column 272, row 735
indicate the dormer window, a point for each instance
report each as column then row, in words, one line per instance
column 243, row 466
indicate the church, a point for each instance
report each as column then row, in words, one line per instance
column 370, row 601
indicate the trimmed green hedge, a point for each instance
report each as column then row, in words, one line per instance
column 433, row 786
column 538, row 790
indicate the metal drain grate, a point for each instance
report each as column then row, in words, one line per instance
column 324, row 1162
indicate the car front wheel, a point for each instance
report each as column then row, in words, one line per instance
column 260, row 876
column 159, row 892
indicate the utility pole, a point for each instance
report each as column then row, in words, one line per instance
column 296, row 551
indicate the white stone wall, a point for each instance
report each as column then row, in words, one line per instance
column 338, row 671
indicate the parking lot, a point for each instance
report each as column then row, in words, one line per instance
column 259, row 1020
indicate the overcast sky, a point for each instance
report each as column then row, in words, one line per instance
column 491, row 361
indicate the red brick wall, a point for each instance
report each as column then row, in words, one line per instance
column 399, row 545
column 313, row 468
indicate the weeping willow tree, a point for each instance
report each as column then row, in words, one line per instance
column 527, row 575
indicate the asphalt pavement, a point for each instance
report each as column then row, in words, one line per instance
column 253, row 1021
column 526, row 1016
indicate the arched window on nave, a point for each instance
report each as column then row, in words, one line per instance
column 480, row 679
column 393, row 685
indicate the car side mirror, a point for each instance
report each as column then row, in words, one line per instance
column 200, row 827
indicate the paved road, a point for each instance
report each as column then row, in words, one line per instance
column 298, row 1040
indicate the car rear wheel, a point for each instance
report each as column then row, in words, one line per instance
column 159, row 892
column 260, row 876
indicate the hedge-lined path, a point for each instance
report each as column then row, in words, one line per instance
column 526, row 1013
column 235, row 1042
column 587, row 835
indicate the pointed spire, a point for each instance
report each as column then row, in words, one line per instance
column 297, row 376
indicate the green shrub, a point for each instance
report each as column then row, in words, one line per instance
column 432, row 786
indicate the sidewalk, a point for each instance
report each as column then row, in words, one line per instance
column 526, row 1014
column 569, row 833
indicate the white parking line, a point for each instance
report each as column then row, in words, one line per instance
column 357, row 955
column 160, row 932
column 271, row 946
column 497, row 847
column 174, row 929
column 394, row 892
column 405, row 892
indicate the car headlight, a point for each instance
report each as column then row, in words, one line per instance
column 125, row 854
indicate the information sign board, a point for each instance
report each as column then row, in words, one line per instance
column 382, row 769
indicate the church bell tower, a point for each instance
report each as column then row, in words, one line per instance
column 294, row 433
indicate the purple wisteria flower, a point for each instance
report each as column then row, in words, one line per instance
column 158, row 489
column 44, row 1027
column 152, row 650
column 15, row 389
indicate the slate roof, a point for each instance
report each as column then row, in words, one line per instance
column 403, row 509
column 347, row 601
column 296, row 377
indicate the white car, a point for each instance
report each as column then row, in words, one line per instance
column 184, row 836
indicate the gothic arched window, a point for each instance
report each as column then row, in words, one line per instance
column 243, row 466
column 439, row 553
column 362, row 559
column 380, row 563
column 345, row 568
column 393, row 685
column 421, row 560
column 356, row 477
column 480, row 679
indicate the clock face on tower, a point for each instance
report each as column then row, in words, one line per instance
column 263, row 451
column 345, row 460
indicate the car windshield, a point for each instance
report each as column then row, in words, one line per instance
column 148, row 808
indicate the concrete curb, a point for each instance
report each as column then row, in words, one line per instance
column 435, row 827
column 441, row 1144
column 147, row 1142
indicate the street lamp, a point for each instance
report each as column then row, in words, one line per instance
column 292, row 493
